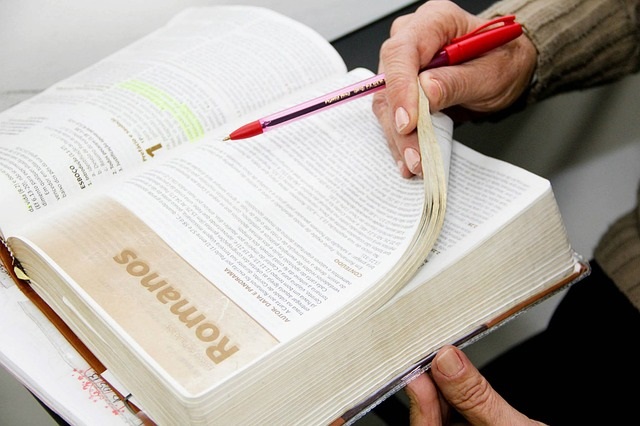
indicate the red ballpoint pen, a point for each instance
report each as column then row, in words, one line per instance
column 489, row 36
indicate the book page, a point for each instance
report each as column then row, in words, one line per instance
column 201, row 74
column 484, row 193
column 303, row 218
column 272, row 234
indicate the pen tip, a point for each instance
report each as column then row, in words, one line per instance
column 226, row 138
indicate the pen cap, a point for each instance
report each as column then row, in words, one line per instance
column 483, row 39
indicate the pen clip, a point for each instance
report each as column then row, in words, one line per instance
column 483, row 39
column 504, row 20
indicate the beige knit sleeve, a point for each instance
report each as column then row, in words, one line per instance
column 581, row 43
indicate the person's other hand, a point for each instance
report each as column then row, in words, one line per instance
column 486, row 84
column 454, row 383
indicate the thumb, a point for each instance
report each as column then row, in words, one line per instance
column 472, row 86
column 486, row 84
column 467, row 391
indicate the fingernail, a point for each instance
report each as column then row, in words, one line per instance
column 412, row 160
column 449, row 363
column 438, row 93
column 402, row 119
column 400, row 166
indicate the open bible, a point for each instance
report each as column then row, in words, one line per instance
column 294, row 277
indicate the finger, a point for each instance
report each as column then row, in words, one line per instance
column 397, row 143
column 424, row 402
column 414, row 41
column 462, row 385
column 407, row 146
column 400, row 62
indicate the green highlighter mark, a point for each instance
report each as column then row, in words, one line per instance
column 190, row 125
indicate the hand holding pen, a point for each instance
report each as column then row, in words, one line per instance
column 485, row 38
column 493, row 81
